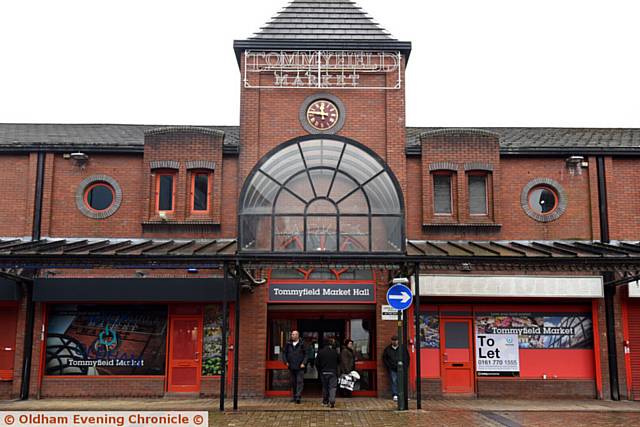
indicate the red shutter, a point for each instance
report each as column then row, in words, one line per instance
column 634, row 345
column 8, row 319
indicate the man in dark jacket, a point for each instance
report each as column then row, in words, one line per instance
column 390, row 358
column 295, row 357
column 327, row 364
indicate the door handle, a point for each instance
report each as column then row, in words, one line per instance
column 445, row 357
column 7, row 349
column 457, row 365
column 197, row 356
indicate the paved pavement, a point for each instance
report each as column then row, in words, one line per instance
column 373, row 412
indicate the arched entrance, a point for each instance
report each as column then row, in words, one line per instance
column 323, row 194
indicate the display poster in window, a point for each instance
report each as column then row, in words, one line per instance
column 540, row 330
column 497, row 355
column 212, row 340
column 429, row 330
column 91, row 339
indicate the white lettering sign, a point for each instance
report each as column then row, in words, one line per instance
column 497, row 354
column 320, row 69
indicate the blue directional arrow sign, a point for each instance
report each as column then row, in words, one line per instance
column 399, row 297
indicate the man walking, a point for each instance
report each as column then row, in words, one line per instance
column 327, row 364
column 390, row 357
column 295, row 357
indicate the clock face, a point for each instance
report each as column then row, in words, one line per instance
column 322, row 114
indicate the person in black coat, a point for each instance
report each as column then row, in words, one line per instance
column 390, row 358
column 295, row 357
column 347, row 363
column 327, row 364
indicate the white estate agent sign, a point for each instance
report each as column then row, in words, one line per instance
column 497, row 355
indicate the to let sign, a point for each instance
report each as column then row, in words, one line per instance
column 497, row 355
column 322, row 293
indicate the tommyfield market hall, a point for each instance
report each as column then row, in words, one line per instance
column 145, row 261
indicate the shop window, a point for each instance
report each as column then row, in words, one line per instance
column 212, row 360
column 478, row 195
column 443, row 193
column 105, row 340
column 201, row 192
column 165, row 192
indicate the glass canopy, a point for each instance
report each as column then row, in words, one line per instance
column 321, row 195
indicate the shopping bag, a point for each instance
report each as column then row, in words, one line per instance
column 346, row 382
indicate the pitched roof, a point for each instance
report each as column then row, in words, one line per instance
column 69, row 136
column 549, row 139
column 322, row 19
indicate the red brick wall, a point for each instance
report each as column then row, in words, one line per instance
column 623, row 175
column 17, row 174
column 536, row 389
column 102, row 387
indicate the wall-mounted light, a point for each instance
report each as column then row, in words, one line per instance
column 80, row 159
column 575, row 164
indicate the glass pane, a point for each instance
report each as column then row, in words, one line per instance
column 357, row 275
column 255, row 232
column 386, row 233
column 200, row 192
column 321, row 181
column 442, row 194
column 342, row 185
column 322, row 274
column 321, row 233
column 287, row 274
column 165, row 194
column 359, row 164
column 279, row 380
column 383, row 195
column 354, row 234
column 355, row 203
column 367, row 380
column 284, row 163
column 456, row 334
column 280, row 330
column 260, row 195
column 287, row 203
column 542, row 200
column 289, row 233
column 361, row 336
column 301, row 186
column 100, row 197
column 322, row 152
column 478, row 194
column 321, row 207
column 212, row 340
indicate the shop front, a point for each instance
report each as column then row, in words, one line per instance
column 320, row 310
column 158, row 337
column 9, row 296
column 631, row 342
column 524, row 336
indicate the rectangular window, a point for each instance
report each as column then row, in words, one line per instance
column 442, row 194
column 478, row 195
column 200, row 192
column 164, row 192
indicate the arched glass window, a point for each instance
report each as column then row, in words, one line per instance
column 326, row 194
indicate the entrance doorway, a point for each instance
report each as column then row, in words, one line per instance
column 315, row 327
column 456, row 356
column 185, row 344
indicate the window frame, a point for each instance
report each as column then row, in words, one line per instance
column 174, row 177
column 192, row 200
column 555, row 195
column 487, row 193
column 90, row 187
column 451, row 175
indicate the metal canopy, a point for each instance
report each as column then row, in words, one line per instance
column 212, row 253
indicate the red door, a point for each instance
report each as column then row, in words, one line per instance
column 456, row 356
column 185, row 347
column 8, row 318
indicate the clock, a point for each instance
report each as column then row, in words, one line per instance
column 322, row 114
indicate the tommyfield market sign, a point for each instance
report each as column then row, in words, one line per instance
column 362, row 293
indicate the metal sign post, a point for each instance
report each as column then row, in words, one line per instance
column 399, row 296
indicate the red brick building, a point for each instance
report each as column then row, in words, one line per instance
column 129, row 253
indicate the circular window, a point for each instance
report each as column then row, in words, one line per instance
column 98, row 196
column 543, row 199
